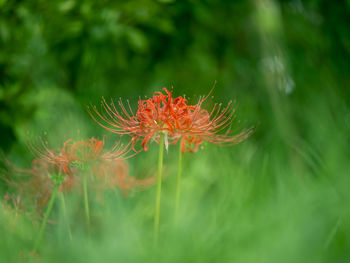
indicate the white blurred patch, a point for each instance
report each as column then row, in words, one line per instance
column 275, row 67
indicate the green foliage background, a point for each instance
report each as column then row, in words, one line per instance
column 281, row 196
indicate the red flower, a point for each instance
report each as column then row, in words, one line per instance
column 62, row 161
column 175, row 117
column 36, row 184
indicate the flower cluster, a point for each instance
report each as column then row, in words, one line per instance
column 88, row 165
column 175, row 117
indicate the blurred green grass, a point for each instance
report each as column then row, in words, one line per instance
column 280, row 196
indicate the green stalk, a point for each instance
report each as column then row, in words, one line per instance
column 159, row 187
column 86, row 200
column 43, row 224
column 64, row 210
column 178, row 183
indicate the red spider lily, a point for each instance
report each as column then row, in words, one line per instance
column 175, row 117
column 38, row 183
column 85, row 151
column 161, row 113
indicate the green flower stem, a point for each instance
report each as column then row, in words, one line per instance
column 47, row 214
column 64, row 210
column 178, row 183
column 86, row 200
column 159, row 187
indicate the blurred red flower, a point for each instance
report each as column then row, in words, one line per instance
column 37, row 183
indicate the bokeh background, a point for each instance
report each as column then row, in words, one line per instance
column 281, row 196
